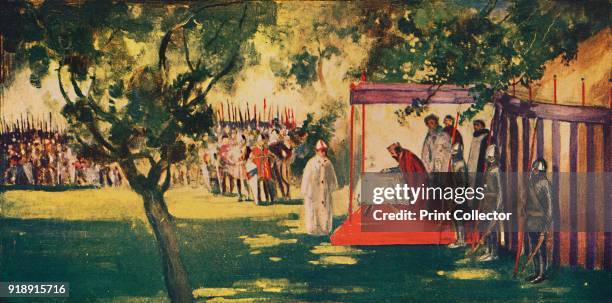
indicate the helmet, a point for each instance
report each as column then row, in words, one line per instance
column 539, row 165
column 491, row 153
column 457, row 149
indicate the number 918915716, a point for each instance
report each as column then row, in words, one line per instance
column 34, row 289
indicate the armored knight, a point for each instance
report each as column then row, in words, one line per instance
column 538, row 212
column 492, row 202
column 459, row 178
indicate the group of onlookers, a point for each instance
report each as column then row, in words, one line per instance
column 37, row 157
column 250, row 161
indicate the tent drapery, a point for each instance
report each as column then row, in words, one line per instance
column 587, row 144
column 572, row 139
column 402, row 93
column 366, row 93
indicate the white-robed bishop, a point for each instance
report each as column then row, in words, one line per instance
column 318, row 183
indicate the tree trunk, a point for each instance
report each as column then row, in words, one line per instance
column 320, row 73
column 175, row 276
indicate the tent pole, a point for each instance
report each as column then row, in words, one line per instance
column 583, row 92
column 363, row 116
column 521, row 235
column 455, row 124
column 350, row 206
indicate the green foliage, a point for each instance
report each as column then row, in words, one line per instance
column 304, row 67
column 476, row 44
column 38, row 61
column 330, row 51
column 134, row 109
column 325, row 35
column 322, row 128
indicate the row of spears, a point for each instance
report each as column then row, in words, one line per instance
column 232, row 114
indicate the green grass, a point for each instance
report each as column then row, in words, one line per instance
column 262, row 260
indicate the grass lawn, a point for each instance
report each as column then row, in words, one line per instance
column 238, row 252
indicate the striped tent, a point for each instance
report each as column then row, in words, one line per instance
column 571, row 139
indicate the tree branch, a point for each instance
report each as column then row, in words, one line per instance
column 61, row 86
column 168, row 36
column 216, row 35
column 92, row 85
column 200, row 97
column 186, row 46
column 75, row 86
column 435, row 91
column 550, row 26
column 143, row 155
column 230, row 64
column 157, row 169
column 166, row 184
column 504, row 19
column 99, row 152
column 187, row 91
column 91, row 125
column 111, row 36
column 105, row 116
column 95, row 132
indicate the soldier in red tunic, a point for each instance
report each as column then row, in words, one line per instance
column 261, row 157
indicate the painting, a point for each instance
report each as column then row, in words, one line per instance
column 259, row 151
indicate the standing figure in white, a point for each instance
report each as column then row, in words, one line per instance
column 318, row 183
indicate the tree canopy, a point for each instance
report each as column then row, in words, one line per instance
column 124, row 101
column 483, row 45
column 134, row 79
column 308, row 41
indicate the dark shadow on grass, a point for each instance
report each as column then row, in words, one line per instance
column 282, row 202
column 290, row 202
column 111, row 259
column 220, row 258
column 100, row 259
column 49, row 188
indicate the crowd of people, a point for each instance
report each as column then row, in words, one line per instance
column 436, row 152
column 34, row 156
column 442, row 158
column 250, row 160
column 247, row 160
